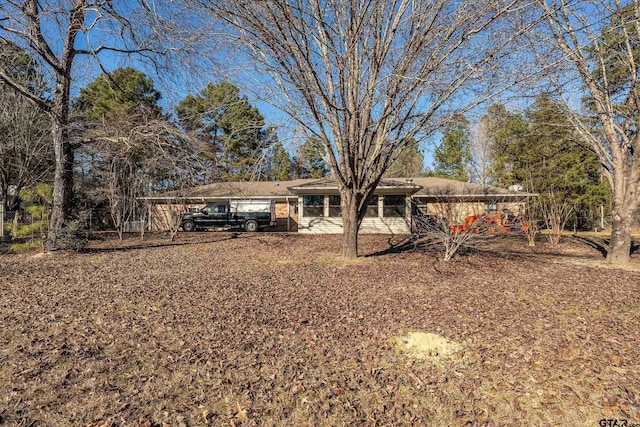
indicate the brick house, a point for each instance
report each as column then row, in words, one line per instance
column 313, row 206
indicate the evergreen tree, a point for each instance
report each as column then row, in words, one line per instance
column 547, row 159
column 309, row 161
column 280, row 165
column 408, row 164
column 500, row 129
column 233, row 130
column 123, row 93
column 40, row 197
column 453, row 156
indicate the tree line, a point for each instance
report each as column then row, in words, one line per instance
column 536, row 151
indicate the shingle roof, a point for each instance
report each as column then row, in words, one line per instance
column 241, row 189
column 425, row 186
column 432, row 186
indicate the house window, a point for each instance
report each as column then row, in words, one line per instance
column 335, row 209
column 419, row 208
column 372, row 207
column 394, row 206
column 313, row 206
column 491, row 207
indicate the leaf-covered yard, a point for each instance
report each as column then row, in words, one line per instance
column 277, row 330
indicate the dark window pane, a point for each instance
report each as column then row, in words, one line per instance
column 394, row 206
column 313, row 206
column 372, row 207
column 335, row 208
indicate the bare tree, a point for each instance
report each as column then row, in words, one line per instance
column 595, row 43
column 137, row 155
column 531, row 219
column 55, row 33
column 367, row 78
column 481, row 158
column 24, row 133
column 24, row 147
column 167, row 216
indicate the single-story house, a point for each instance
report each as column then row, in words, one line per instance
column 313, row 205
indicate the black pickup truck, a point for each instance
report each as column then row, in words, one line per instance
column 251, row 215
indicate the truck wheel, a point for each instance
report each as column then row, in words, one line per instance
column 188, row 226
column 251, row 226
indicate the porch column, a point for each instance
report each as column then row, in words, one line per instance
column 288, row 215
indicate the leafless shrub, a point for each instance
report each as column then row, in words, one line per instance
column 453, row 222
column 532, row 219
column 166, row 216
column 555, row 213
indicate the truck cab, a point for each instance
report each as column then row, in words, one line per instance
column 216, row 215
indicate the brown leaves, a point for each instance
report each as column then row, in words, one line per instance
column 220, row 334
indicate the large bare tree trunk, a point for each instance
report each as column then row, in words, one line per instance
column 620, row 244
column 625, row 203
column 351, row 223
column 369, row 79
column 63, row 175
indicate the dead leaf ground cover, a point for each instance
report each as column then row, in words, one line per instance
column 276, row 330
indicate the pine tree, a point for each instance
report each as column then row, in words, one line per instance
column 453, row 155
column 500, row 128
column 123, row 93
column 231, row 127
column 408, row 164
column 309, row 161
column 40, row 197
column 280, row 167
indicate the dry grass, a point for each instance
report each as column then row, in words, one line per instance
column 422, row 345
column 274, row 330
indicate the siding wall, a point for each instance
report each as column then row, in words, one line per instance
column 161, row 216
column 456, row 212
column 370, row 225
